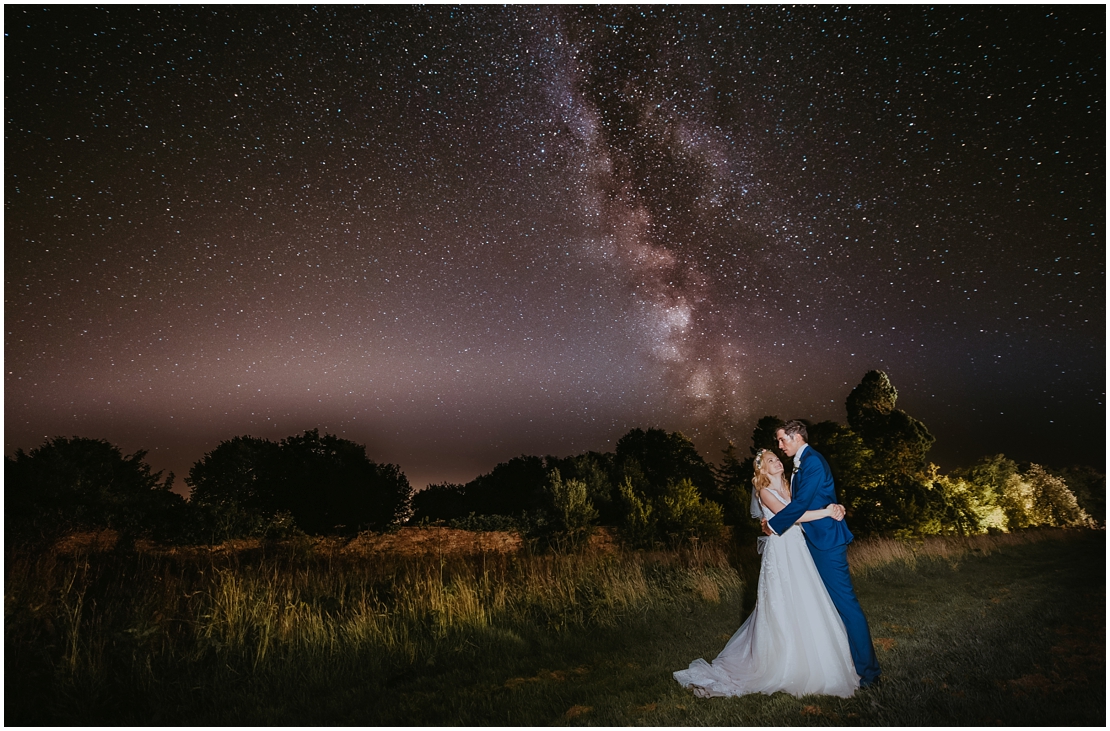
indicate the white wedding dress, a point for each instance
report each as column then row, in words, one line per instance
column 793, row 641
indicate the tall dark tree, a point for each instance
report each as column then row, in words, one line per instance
column 330, row 485
column 734, row 486
column 897, row 439
column 511, row 488
column 851, row 462
column 654, row 458
column 444, row 501
column 240, row 474
column 896, row 494
column 764, row 436
column 81, row 483
column 326, row 483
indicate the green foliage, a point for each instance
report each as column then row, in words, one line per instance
column 964, row 510
column 654, row 458
column 1089, row 487
column 994, row 494
column 80, row 483
column 988, row 478
column 678, row 514
column 573, row 514
column 638, row 524
column 899, row 441
column 594, row 469
column 1037, row 498
column 683, row 514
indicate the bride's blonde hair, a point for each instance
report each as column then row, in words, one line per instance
column 761, row 479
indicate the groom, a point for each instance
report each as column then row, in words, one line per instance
column 812, row 488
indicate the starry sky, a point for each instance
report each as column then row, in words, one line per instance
column 460, row 235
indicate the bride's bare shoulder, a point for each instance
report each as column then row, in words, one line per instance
column 771, row 499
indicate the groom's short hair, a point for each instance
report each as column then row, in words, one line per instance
column 793, row 427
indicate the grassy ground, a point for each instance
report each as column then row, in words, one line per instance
column 1016, row 637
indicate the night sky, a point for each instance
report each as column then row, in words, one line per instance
column 460, row 235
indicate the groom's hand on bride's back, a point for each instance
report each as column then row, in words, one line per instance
column 837, row 511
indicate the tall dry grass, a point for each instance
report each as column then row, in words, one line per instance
column 95, row 623
column 868, row 554
column 94, row 610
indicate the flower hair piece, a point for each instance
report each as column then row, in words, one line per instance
column 759, row 459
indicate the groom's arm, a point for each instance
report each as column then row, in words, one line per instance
column 799, row 501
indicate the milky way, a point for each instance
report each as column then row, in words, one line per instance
column 459, row 235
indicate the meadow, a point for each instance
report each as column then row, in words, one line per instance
column 452, row 628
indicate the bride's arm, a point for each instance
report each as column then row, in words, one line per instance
column 831, row 511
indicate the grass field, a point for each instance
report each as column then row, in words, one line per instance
column 1006, row 630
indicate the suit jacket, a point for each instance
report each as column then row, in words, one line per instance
column 812, row 489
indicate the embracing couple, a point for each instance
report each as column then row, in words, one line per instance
column 807, row 633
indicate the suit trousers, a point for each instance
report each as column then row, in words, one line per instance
column 832, row 565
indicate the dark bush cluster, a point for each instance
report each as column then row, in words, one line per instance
column 76, row 483
column 325, row 484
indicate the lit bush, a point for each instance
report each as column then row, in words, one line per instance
column 680, row 513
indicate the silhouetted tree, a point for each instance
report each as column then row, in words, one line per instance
column 764, row 436
column 734, row 486
column 899, row 441
column 445, row 501
column 511, row 488
column 325, row 483
column 654, row 458
column 235, row 486
column 330, row 485
column 81, row 483
column 894, row 492
column 852, row 464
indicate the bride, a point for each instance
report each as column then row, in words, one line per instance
column 794, row 640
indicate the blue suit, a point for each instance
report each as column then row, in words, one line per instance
column 828, row 539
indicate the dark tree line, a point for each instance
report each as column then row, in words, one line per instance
column 654, row 487
column 77, row 483
column 657, row 475
column 246, row 486
column 320, row 484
